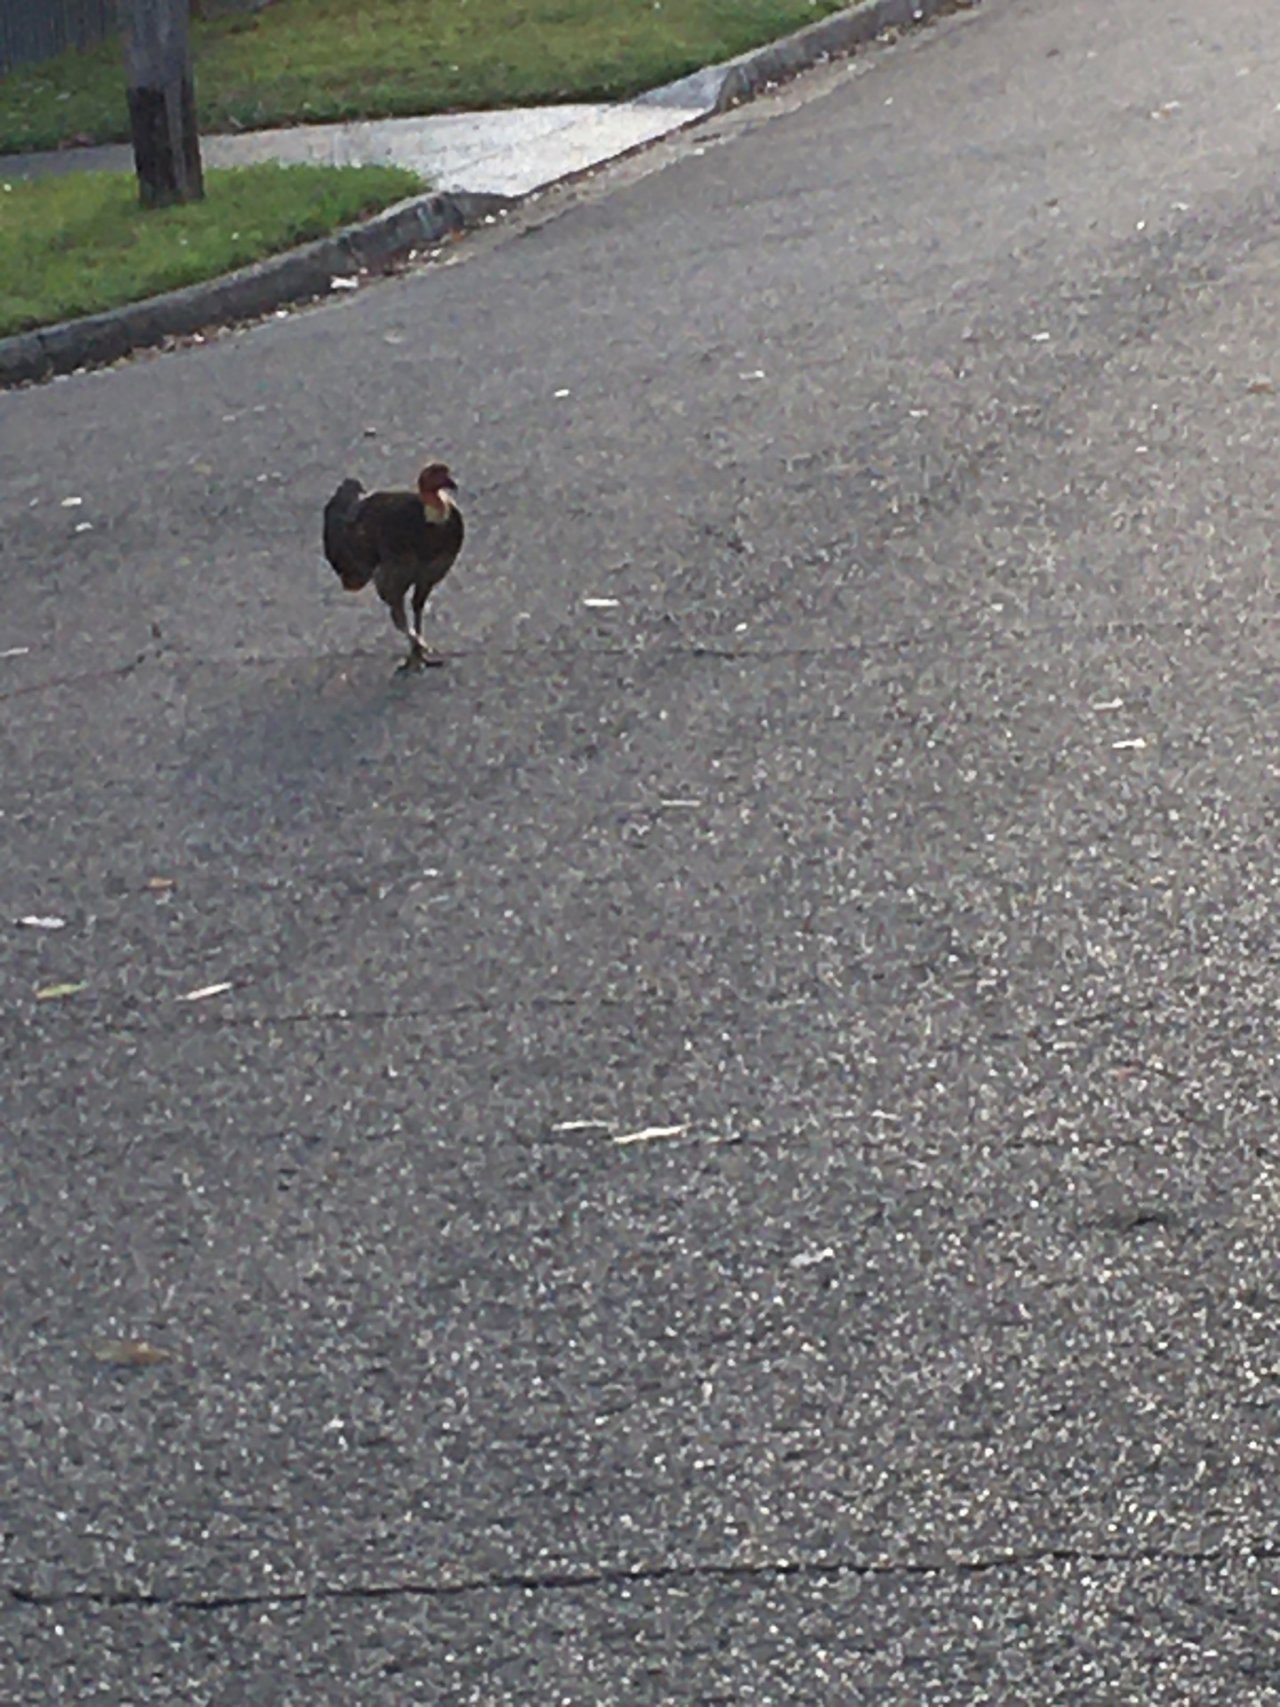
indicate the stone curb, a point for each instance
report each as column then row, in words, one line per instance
column 296, row 276
column 301, row 275
column 829, row 38
column 719, row 87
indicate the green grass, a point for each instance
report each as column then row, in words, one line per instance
column 80, row 243
column 302, row 61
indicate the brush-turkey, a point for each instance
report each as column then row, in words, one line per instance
column 404, row 542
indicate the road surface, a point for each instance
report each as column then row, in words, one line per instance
column 900, row 842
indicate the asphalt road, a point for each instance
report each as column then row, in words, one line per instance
column 905, row 835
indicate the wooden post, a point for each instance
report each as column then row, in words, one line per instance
column 162, row 107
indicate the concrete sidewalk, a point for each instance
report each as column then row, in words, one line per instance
column 514, row 152
column 473, row 162
column 505, row 153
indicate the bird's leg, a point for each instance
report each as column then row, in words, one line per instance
column 419, row 600
column 401, row 622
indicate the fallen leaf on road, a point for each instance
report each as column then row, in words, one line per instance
column 1260, row 387
column 130, row 1354
column 646, row 1133
column 56, row 992
column 809, row 1259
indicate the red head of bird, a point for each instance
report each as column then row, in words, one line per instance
column 435, row 480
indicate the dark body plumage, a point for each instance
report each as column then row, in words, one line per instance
column 404, row 542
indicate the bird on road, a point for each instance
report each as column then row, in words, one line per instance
column 404, row 542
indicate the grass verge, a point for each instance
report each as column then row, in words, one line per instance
column 304, row 61
column 81, row 243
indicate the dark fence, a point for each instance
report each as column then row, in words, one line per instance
column 33, row 30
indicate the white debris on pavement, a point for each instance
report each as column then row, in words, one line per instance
column 647, row 1133
column 810, row 1259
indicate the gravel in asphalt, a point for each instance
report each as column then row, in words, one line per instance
column 905, row 834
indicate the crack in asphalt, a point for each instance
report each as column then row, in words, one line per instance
column 776, row 1571
column 104, row 674
column 1045, row 1041
column 182, row 1012
column 1136, row 628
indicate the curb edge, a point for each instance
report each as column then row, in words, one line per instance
column 307, row 273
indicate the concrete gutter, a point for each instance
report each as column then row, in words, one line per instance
column 719, row 87
column 377, row 244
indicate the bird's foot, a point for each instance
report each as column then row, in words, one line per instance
column 419, row 659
